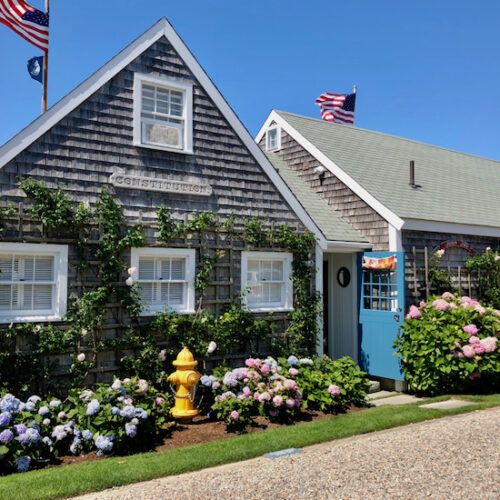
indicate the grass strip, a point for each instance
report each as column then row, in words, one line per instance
column 65, row 481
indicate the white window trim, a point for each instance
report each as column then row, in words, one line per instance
column 278, row 138
column 188, row 254
column 284, row 257
column 186, row 88
column 60, row 253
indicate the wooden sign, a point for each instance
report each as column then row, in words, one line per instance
column 128, row 181
column 456, row 244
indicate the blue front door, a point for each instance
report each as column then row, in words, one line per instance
column 381, row 311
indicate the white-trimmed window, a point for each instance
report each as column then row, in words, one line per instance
column 273, row 138
column 165, row 277
column 267, row 279
column 33, row 282
column 163, row 114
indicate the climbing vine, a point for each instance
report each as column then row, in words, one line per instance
column 102, row 260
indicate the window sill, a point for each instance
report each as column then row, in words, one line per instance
column 152, row 312
column 164, row 148
column 269, row 309
column 30, row 319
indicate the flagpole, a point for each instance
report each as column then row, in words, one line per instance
column 45, row 68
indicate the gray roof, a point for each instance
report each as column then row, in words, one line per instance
column 333, row 227
column 453, row 187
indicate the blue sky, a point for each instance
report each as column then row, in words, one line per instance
column 427, row 70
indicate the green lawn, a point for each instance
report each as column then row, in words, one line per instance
column 61, row 482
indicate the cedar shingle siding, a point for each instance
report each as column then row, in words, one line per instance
column 349, row 205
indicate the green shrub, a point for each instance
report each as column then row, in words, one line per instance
column 488, row 265
column 327, row 385
column 448, row 345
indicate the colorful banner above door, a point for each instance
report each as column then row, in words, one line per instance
column 387, row 263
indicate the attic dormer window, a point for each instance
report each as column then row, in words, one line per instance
column 163, row 114
column 273, row 139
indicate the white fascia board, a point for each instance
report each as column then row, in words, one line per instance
column 451, row 228
column 219, row 100
column 347, row 247
column 162, row 28
column 370, row 200
column 395, row 240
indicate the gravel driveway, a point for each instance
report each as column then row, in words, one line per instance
column 450, row 458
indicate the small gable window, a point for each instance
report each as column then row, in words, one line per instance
column 273, row 139
column 163, row 114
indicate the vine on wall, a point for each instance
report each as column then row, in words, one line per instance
column 236, row 329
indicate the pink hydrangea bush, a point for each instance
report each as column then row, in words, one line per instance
column 450, row 344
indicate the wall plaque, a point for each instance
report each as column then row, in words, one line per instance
column 161, row 185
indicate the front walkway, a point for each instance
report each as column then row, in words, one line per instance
column 449, row 458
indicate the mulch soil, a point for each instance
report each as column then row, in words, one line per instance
column 202, row 430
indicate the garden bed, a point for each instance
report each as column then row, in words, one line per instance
column 204, row 430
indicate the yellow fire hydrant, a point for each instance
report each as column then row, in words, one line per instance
column 185, row 380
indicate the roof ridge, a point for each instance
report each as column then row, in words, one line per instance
column 388, row 135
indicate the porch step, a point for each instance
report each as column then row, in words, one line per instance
column 374, row 386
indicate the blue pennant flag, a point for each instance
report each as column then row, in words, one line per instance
column 35, row 68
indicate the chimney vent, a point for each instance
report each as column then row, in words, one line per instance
column 412, row 173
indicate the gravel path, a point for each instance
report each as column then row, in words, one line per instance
column 450, row 458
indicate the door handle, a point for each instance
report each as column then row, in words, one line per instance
column 396, row 318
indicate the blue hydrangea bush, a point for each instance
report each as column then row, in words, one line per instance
column 119, row 418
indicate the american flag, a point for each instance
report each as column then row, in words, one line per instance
column 337, row 107
column 26, row 21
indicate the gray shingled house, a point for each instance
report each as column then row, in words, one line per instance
column 359, row 185
column 152, row 125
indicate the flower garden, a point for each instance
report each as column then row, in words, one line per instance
column 131, row 415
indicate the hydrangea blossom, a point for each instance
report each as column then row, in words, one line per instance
column 447, row 295
column 6, row 436
column 471, row 329
column 235, row 415
column 490, row 344
column 141, row 413
column 277, row 400
column 207, row 380
column 61, row 414
column 61, row 431
column 142, row 387
column 23, row 463
column 43, row 410
column 87, row 435
column 115, row 410
column 334, row 390
column 130, row 430
column 20, row 429
column 5, row 418
column 46, row 421
column 128, row 412
column 34, row 399
column 468, row 351
column 29, row 406
column 30, row 436
column 47, row 441
column 211, row 347
column 290, row 384
column 9, row 403
column 292, row 360
column 441, row 304
column 104, row 443
column 290, row 402
column 93, row 407
column 414, row 313
column 116, row 385
column 293, row 372
column 306, row 361
column 55, row 403
column 162, row 355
